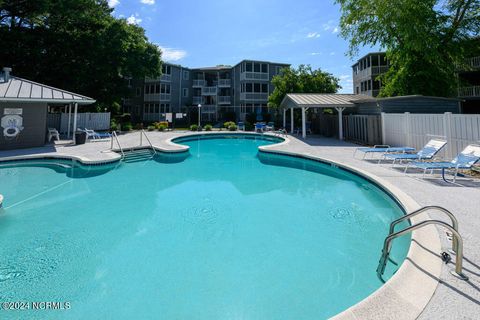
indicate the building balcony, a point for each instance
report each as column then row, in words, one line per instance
column 166, row 77
column 370, row 71
column 197, row 100
column 209, row 91
column 157, row 97
column 253, row 96
column 224, row 83
column 198, row 83
column 208, row 108
column 224, row 100
column 254, row 76
column 469, row 92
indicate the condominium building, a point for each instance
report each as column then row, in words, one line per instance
column 221, row 91
column 365, row 73
column 469, row 85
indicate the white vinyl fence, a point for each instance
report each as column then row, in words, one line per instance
column 95, row 121
column 406, row 129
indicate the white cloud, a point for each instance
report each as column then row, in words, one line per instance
column 315, row 53
column 313, row 35
column 335, row 30
column 172, row 54
column 332, row 53
column 134, row 19
column 113, row 3
column 149, row 2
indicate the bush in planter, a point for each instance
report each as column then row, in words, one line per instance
column 151, row 128
column 232, row 127
column 248, row 126
column 208, row 127
column 193, row 127
column 127, row 126
column 161, row 127
column 228, row 124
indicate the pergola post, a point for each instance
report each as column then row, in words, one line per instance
column 284, row 118
column 69, row 116
column 340, row 121
column 304, row 127
column 291, row 120
column 75, row 122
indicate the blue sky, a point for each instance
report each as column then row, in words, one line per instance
column 207, row 33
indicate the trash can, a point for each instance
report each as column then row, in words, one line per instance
column 80, row 137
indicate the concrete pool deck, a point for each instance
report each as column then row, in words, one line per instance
column 453, row 298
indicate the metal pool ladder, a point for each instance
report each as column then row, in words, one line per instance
column 457, row 242
column 143, row 133
column 114, row 136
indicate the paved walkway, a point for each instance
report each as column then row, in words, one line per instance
column 453, row 299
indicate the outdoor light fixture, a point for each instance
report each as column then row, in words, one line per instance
column 199, row 106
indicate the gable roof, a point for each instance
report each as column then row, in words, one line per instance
column 22, row 90
column 323, row 100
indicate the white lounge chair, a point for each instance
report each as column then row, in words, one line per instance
column 53, row 133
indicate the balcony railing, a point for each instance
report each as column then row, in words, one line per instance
column 224, row 83
column 371, row 71
column 254, row 76
column 253, row 96
column 208, row 108
column 224, row 100
column 376, row 70
column 209, row 91
column 198, row 83
column 468, row 92
column 197, row 100
column 166, row 77
column 158, row 97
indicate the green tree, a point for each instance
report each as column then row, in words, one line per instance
column 424, row 40
column 301, row 80
column 76, row 45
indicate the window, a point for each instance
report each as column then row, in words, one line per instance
column 248, row 87
column 264, row 68
column 138, row 92
column 185, row 92
column 165, row 88
column 157, row 88
column 264, row 87
column 166, row 69
column 186, row 75
column 165, row 108
column 256, row 67
column 256, row 87
column 248, row 66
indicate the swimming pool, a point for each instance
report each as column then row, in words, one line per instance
column 222, row 231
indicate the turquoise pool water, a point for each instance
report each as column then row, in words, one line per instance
column 221, row 232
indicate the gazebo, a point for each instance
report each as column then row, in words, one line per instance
column 305, row 101
column 23, row 110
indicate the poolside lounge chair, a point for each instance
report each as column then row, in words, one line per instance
column 270, row 126
column 260, row 126
column 427, row 152
column 241, row 125
column 382, row 149
column 53, row 133
column 308, row 128
column 464, row 160
column 91, row 134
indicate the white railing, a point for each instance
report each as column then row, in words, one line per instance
column 209, row 91
column 254, row 76
column 224, row 99
column 376, row 70
column 94, row 121
column 473, row 91
column 198, row 83
column 368, row 72
column 197, row 100
column 224, row 82
column 253, row 96
column 166, row 77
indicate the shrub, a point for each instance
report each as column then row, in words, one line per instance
column 232, row 127
column 228, row 124
column 127, row 126
column 139, row 126
column 151, row 128
column 208, row 127
column 248, row 126
column 113, row 125
column 193, row 127
column 161, row 127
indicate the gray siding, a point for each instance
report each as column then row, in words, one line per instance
column 34, row 123
column 410, row 104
